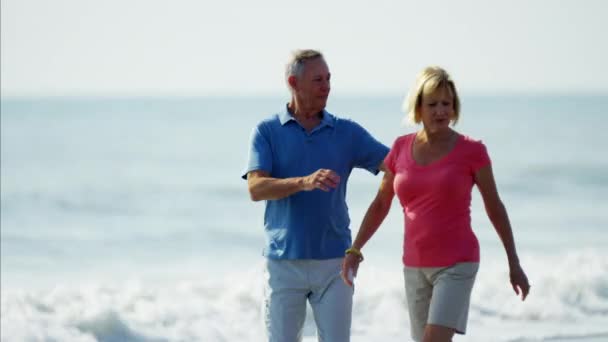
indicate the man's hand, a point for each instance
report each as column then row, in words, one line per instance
column 323, row 179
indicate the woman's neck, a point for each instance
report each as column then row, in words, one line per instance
column 437, row 137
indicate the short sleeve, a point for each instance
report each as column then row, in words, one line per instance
column 260, row 153
column 389, row 161
column 479, row 157
column 369, row 152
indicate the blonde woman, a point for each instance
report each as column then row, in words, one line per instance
column 433, row 172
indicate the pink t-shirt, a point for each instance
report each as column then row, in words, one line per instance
column 436, row 201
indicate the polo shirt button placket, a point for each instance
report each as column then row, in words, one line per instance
column 308, row 138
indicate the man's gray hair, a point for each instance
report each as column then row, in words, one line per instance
column 295, row 66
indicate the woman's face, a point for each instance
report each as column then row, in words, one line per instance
column 437, row 109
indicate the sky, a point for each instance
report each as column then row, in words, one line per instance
column 239, row 47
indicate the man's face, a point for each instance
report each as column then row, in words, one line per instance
column 312, row 87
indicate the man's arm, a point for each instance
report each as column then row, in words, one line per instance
column 263, row 187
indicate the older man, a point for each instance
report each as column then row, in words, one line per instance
column 299, row 163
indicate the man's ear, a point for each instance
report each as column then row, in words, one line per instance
column 292, row 81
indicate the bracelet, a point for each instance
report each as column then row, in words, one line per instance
column 356, row 252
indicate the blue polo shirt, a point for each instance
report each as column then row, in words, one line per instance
column 310, row 224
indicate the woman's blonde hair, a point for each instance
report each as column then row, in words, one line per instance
column 427, row 82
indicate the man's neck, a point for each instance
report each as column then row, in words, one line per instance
column 301, row 112
column 307, row 117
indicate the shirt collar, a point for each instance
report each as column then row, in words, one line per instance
column 327, row 120
column 285, row 116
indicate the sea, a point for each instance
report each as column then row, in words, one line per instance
column 126, row 219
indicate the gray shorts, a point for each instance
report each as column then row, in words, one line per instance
column 291, row 283
column 439, row 296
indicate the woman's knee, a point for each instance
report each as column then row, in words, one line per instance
column 437, row 333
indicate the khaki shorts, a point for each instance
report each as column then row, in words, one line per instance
column 439, row 296
column 292, row 283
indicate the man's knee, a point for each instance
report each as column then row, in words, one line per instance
column 333, row 313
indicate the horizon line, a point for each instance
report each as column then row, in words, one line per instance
column 274, row 95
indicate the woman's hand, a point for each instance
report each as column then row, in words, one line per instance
column 519, row 281
column 350, row 265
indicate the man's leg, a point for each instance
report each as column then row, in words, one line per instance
column 331, row 301
column 285, row 295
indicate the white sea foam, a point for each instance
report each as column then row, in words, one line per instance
column 569, row 300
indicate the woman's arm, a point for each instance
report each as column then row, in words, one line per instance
column 376, row 213
column 497, row 213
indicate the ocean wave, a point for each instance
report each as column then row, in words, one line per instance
column 187, row 312
column 569, row 297
column 119, row 200
column 595, row 337
column 77, row 202
column 569, row 287
column 562, row 174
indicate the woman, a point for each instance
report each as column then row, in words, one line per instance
column 433, row 172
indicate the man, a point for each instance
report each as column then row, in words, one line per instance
column 299, row 162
